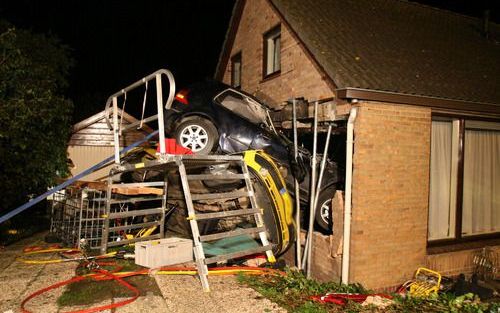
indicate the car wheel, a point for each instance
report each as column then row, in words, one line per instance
column 323, row 216
column 197, row 134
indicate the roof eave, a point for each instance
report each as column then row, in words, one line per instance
column 418, row 100
column 229, row 40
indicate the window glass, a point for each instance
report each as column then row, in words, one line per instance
column 272, row 51
column 481, row 184
column 243, row 106
column 236, row 71
column 442, row 193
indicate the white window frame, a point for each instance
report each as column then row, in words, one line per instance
column 272, row 51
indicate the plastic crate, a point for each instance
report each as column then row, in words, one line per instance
column 162, row 252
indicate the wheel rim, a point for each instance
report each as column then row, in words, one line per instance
column 325, row 211
column 194, row 137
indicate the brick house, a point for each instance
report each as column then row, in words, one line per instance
column 426, row 85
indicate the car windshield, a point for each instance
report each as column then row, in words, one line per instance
column 243, row 106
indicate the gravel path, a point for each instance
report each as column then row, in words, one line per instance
column 179, row 293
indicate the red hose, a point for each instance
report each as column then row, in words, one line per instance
column 107, row 275
column 80, row 278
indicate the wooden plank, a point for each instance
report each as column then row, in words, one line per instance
column 83, row 142
column 78, row 136
column 232, row 233
column 131, row 191
column 134, row 185
column 94, row 131
column 237, row 254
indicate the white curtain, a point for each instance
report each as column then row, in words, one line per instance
column 441, row 218
column 481, row 187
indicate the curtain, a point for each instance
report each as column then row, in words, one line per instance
column 481, row 186
column 440, row 194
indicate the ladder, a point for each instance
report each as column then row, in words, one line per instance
column 193, row 217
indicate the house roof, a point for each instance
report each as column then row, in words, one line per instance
column 94, row 131
column 101, row 115
column 398, row 47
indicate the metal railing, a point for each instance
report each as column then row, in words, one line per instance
column 111, row 109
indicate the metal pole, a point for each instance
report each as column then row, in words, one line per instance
column 116, row 131
column 159, row 103
column 297, row 189
column 322, row 168
column 312, row 191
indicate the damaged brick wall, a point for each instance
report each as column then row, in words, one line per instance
column 299, row 76
column 327, row 250
column 390, row 193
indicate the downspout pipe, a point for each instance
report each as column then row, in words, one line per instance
column 348, row 197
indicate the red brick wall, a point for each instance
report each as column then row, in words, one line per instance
column 390, row 193
column 454, row 263
column 299, row 76
column 391, row 165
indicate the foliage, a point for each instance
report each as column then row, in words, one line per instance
column 34, row 114
column 89, row 291
column 293, row 291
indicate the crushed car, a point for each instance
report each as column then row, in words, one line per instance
column 211, row 117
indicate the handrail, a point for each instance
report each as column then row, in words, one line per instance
column 111, row 108
column 137, row 84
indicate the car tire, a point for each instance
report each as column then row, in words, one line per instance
column 323, row 216
column 197, row 134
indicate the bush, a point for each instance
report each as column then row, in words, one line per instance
column 35, row 117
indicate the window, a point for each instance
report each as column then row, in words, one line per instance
column 464, row 197
column 272, row 51
column 242, row 105
column 236, row 70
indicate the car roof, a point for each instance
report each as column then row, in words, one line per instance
column 212, row 88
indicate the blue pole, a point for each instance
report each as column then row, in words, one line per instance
column 65, row 184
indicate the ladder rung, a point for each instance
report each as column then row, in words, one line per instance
column 222, row 195
column 135, row 199
column 232, row 233
column 206, row 216
column 237, row 254
column 135, row 185
column 135, row 213
column 127, row 241
column 215, row 177
column 133, row 226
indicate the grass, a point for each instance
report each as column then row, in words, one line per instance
column 293, row 292
column 89, row 291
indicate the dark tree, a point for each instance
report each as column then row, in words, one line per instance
column 34, row 115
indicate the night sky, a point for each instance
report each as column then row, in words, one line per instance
column 115, row 43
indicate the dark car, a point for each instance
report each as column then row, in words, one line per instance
column 211, row 117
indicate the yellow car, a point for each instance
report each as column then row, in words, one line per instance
column 273, row 197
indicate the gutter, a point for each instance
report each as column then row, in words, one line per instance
column 426, row 101
column 346, row 245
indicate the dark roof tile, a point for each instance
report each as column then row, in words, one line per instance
column 398, row 46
